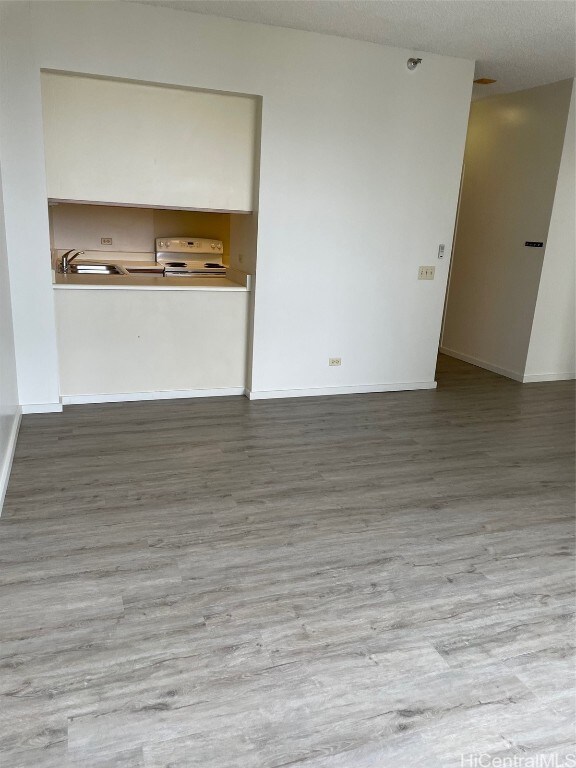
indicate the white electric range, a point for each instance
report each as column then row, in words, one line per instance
column 190, row 256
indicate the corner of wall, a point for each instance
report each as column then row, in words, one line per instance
column 7, row 456
column 9, row 409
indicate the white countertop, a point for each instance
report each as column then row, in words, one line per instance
column 145, row 282
column 234, row 281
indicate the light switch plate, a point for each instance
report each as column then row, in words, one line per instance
column 426, row 273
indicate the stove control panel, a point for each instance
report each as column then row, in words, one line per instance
column 189, row 245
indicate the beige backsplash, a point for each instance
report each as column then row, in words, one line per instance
column 133, row 230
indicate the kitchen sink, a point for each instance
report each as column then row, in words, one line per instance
column 96, row 269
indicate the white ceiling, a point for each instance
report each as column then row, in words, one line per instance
column 520, row 43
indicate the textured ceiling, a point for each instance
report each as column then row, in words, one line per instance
column 520, row 43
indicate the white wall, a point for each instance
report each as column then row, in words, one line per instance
column 551, row 354
column 120, row 142
column 26, row 213
column 360, row 165
column 512, row 157
column 243, row 241
column 9, row 410
column 243, row 257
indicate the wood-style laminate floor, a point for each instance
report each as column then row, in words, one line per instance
column 365, row 581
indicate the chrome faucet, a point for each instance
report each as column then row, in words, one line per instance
column 67, row 259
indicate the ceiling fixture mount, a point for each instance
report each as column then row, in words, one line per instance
column 484, row 81
column 413, row 63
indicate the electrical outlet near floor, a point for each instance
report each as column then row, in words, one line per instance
column 334, row 361
column 426, row 273
column 105, row 241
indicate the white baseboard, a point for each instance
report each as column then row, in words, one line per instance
column 534, row 377
column 6, row 465
column 168, row 394
column 483, row 364
column 42, row 408
column 268, row 394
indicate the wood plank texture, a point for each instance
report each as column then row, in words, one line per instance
column 341, row 582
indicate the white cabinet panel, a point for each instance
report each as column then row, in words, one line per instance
column 115, row 341
column 122, row 142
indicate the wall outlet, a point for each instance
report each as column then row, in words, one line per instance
column 105, row 241
column 334, row 361
column 426, row 273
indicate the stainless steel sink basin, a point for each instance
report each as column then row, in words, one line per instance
column 95, row 269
